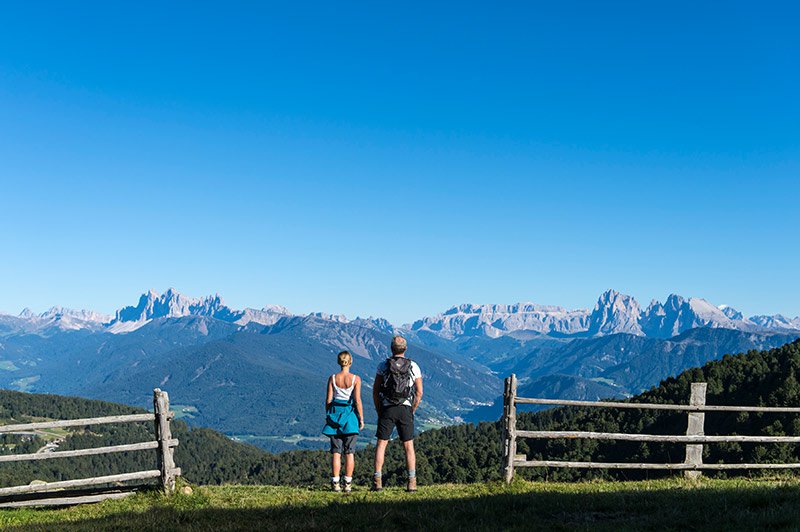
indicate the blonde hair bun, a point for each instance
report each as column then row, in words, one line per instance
column 345, row 359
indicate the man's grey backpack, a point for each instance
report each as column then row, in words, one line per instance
column 396, row 386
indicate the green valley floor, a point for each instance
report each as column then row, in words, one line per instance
column 664, row 504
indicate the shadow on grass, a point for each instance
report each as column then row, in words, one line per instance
column 707, row 508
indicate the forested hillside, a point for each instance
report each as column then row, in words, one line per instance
column 205, row 456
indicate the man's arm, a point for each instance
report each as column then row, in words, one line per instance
column 417, row 394
column 376, row 397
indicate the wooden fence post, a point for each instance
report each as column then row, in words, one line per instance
column 509, row 427
column 694, row 452
column 504, row 419
column 166, row 462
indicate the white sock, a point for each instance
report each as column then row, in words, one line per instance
column 335, row 479
column 348, row 480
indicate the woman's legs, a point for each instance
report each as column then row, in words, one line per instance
column 349, row 464
column 336, row 464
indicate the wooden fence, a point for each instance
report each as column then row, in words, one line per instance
column 694, row 438
column 40, row 493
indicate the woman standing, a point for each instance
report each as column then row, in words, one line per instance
column 344, row 420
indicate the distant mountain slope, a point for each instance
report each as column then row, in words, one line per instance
column 73, row 362
column 635, row 363
column 273, row 382
column 551, row 386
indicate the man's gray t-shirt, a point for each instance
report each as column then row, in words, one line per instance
column 383, row 370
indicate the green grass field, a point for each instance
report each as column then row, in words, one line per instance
column 664, row 504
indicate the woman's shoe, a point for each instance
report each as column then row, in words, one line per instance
column 335, row 486
column 348, row 486
column 412, row 484
column 377, row 484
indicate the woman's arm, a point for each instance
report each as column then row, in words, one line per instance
column 359, row 407
column 329, row 396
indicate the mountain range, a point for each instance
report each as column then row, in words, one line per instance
column 612, row 314
column 259, row 374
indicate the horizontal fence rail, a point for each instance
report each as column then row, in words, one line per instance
column 68, row 500
column 85, row 452
column 678, row 438
column 693, row 439
column 76, row 422
column 164, row 445
column 659, row 406
column 625, row 465
column 93, row 481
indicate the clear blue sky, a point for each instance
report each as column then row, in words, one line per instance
column 396, row 159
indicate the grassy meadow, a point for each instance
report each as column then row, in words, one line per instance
column 662, row 504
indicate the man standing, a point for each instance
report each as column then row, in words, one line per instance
column 396, row 393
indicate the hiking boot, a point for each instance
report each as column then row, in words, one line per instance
column 335, row 486
column 377, row 483
column 412, row 484
column 348, row 486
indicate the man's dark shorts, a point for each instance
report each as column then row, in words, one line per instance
column 400, row 416
column 343, row 444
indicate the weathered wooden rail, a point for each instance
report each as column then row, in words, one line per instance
column 39, row 494
column 693, row 439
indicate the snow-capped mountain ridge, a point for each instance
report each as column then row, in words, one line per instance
column 613, row 313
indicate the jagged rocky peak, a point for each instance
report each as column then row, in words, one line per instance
column 615, row 313
column 27, row 314
column 172, row 304
column 731, row 313
column 151, row 305
column 678, row 314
